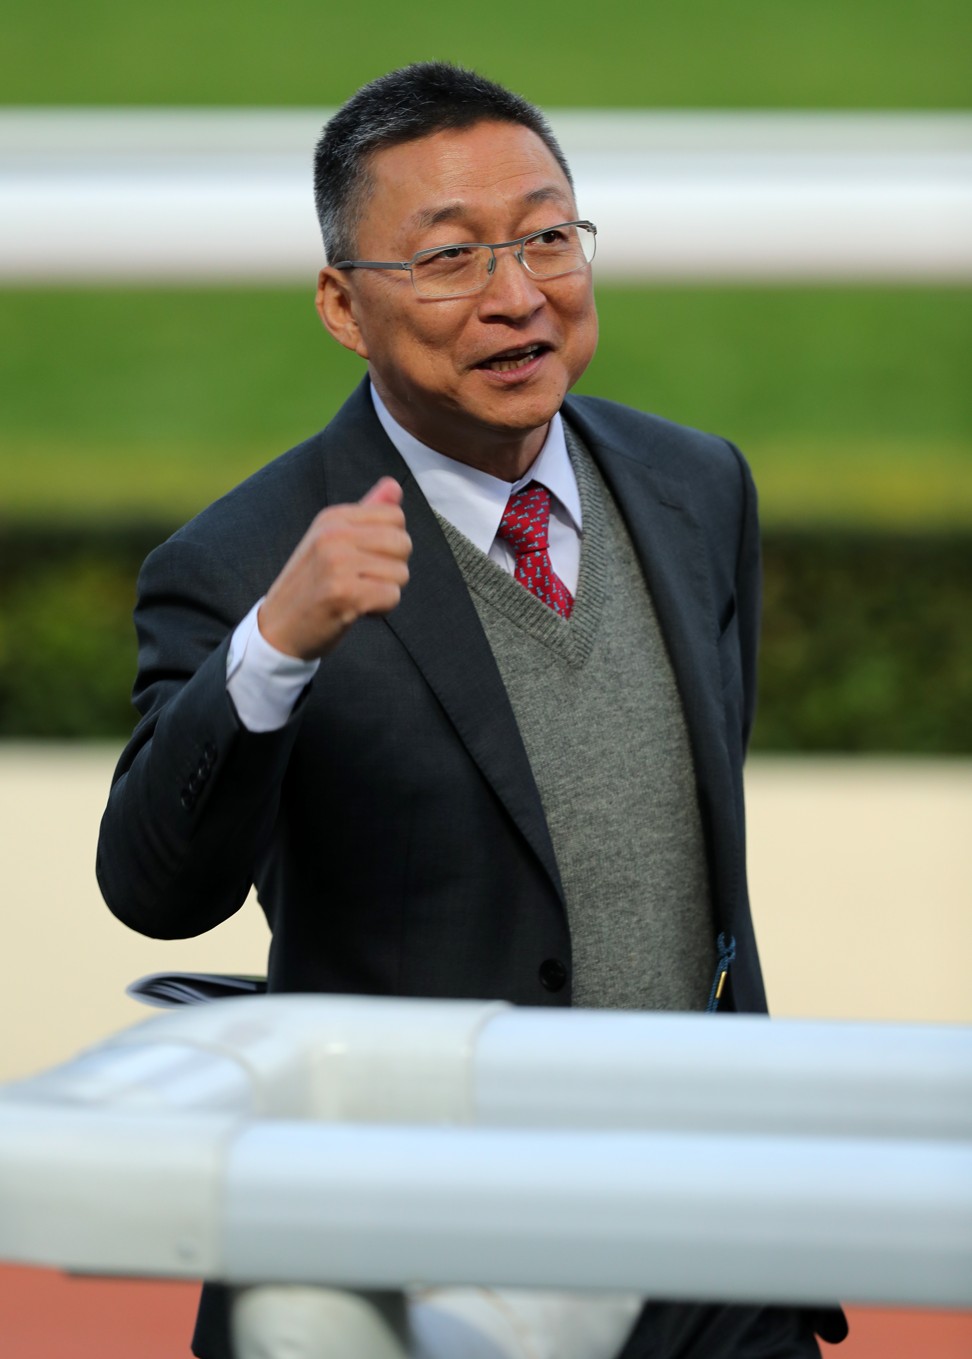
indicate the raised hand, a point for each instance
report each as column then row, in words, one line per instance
column 353, row 560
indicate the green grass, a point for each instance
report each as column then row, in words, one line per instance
column 853, row 405
column 625, row 53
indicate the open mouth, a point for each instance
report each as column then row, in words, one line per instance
column 512, row 359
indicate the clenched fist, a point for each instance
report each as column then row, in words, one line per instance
column 353, row 560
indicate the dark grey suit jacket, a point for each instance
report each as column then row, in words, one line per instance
column 393, row 826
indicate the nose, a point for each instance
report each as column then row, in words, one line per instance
column 511, row 291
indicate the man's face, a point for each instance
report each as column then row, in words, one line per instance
column 435, row 362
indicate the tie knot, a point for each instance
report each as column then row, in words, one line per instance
column 526, row 519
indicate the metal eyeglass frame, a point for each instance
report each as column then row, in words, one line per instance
column 491, row 246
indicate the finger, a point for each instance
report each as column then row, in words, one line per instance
column 387, row 491
column 380, row 540
column 384, row 568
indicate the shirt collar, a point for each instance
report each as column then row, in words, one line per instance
column 472, row 500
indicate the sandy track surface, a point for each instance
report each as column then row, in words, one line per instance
column 861, row 876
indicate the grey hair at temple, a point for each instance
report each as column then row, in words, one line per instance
column 412, row 102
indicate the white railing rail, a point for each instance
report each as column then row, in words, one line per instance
column 189, row 195
column 361, row 1144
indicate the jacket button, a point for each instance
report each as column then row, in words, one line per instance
column 553, row 974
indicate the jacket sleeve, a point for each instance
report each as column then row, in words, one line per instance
column 194, row 796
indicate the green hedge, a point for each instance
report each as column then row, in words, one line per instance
column 866, row 638
column 866, row 643
column 67, row 646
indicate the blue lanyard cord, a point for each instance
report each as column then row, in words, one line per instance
column 726, row 946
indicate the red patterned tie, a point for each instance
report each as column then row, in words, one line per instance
column 525, row 525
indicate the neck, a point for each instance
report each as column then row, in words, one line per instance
column 504, row 454
column 506, row 459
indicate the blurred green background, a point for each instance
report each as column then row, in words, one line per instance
column 868, row 54
column 124, row 410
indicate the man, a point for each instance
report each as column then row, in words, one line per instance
column 464, row 682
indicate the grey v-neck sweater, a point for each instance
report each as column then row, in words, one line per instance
column 601, row 719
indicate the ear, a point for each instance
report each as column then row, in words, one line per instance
column 335, row 303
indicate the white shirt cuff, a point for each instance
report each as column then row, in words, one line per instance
column 263, row 682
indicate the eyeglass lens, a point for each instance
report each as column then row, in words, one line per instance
column 465, row 268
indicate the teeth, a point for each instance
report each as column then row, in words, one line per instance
column 509, row 365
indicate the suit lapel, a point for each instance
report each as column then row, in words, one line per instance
column 437, row 624
column 670, row 545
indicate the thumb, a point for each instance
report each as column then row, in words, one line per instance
column 387, row 491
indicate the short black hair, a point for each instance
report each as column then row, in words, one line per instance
column 412, row 102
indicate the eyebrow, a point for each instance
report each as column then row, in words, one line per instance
column 456, row 210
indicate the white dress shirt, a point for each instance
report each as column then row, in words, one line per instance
column 474, row 501
column 265, row 683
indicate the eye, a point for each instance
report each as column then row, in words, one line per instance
column 450, row 254
column 555, row 241
column 452, row 262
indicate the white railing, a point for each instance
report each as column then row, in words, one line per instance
column 361, row 1144
column 225, row 195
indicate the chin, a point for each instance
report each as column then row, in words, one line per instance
column 522, row 412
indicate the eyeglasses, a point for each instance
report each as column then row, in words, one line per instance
column 457, row 270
